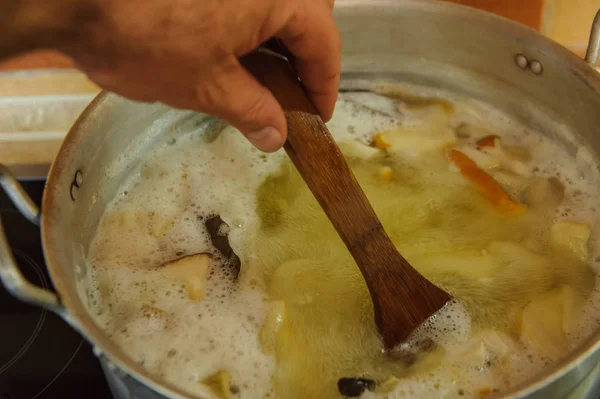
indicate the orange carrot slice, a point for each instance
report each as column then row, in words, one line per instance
column 488, row 141
column 486, row 184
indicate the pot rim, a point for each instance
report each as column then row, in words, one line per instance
column 76, row 315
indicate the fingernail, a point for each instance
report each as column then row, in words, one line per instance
column 267, row 139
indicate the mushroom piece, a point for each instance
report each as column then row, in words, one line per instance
column 218, row 231
column 354, row 387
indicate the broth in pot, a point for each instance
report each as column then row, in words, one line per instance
column 215, row 268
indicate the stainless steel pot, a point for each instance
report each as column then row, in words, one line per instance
column 433, row 43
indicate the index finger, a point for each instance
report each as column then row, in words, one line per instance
column 312, row 36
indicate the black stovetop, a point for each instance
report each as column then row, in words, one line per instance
column 41, row 357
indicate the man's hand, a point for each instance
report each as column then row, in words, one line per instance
column 185, row 53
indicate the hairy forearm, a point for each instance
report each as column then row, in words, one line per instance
column 32, row 24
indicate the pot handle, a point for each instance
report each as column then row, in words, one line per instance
column 10, row 275
column 593, row 51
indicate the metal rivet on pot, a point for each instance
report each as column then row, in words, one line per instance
column 73, row 190
column 78, row 178
column 110, row 365
column 521, row 61
column 536, row 67
column 97, row 352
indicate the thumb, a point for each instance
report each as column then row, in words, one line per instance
column 237, row 97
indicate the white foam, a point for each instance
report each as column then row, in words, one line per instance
column 448, row 327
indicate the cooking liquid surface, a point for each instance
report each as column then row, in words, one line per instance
column 514, row 249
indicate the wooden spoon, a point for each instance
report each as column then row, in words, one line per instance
column 402, row 298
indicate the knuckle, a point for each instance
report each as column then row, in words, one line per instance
column 252, row 107
column 213, row 89
column 223, row 98
column 208, row 95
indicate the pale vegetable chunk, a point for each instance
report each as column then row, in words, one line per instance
column 488, row 346
column 571, row 237
column 414, row 142
column 546, row 320
column 544, row 193
column 517, row 153
column 509, row 180
column 219, row 384
column 358, row 150
column 191, row 271
column 268, row 332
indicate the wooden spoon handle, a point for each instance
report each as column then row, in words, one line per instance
column 316, row 155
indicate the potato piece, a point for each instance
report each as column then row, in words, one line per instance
column 571, row 237
column 541, row 328
column 544, row 193
column 475, row 354
column 546, row 320
column 268, row 332
column 358, row 150
column 572, row 302
column 517, row 153
column 190, row 270
column 409, row 143
column 509, row 180
column 488, row 345
column 486, row 184
column 219, row 384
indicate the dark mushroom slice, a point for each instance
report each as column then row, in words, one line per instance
column 354, row 387
column 218, row 231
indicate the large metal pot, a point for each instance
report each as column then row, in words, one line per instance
column 432, row 43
